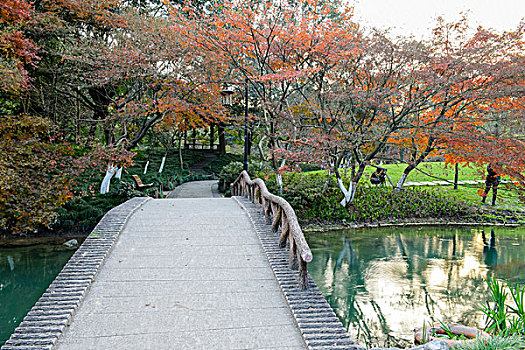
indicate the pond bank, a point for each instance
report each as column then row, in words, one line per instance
column 314, row 228
column 24, row 241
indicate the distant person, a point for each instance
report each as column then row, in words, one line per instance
column 492, row 181
column 378, row 176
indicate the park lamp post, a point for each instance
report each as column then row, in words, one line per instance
column 226, row 95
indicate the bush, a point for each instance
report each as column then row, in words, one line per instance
column 231, row 171
column 215, row 167
column 81, row 215
column 316, row 201
column 35, row 175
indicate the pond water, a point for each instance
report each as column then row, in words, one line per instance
column 384, row 283
column 25, row 273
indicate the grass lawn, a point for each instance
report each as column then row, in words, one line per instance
column 437, row 169
column 508, row 199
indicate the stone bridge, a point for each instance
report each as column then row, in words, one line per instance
column 191, row 272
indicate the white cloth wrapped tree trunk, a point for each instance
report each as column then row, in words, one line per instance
column 162, row 164
column 104, row 187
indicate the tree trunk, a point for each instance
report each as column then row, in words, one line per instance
column 101, row 100
column 349, row 194
column 162, row 163
column 416, row 161
column 404, row 176
column 181, row 161
column 260, row 147
column 104, row 186
column 222, row 139
column 456, row 176
column 108, row 135
column 212, row 132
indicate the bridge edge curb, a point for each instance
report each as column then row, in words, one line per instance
column 314, row 317
column 47, row 320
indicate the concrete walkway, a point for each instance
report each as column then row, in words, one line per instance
column 185, row 274
column 196, row 189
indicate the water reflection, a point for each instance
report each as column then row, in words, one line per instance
column 25, row 273
column 384, row 283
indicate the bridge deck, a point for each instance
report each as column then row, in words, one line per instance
column 185, row 274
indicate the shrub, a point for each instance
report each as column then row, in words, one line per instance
column 315, row 200
column 215, row 167
column 231, row 171
column 81, row 215
column 34, row 174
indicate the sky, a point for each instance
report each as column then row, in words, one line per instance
column 416, row 17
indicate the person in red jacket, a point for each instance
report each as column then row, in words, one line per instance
column 492, row 181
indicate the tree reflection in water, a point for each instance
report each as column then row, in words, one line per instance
column 384, row 283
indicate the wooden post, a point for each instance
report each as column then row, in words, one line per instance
column 278, row 212
column 292, row 258
column 303, row 274
column 285, row 231
column 276, row 219
column 267, row 212
column 456, row 176
column 263, row 205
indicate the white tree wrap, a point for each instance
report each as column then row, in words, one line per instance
column 348, row 194
column 162, row 164
column 280, row 182
column 146, row 167
column 401, row 182
column 104, row 187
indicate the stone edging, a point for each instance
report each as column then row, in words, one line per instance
column 316, row 320
column 322, row 228
column 47, row 320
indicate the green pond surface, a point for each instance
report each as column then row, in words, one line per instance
column 25, row 273
column 384, row 283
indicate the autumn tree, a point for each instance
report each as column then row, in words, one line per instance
column 35, row 178
column 357, row 106
column 472, row 80
column 18, row 51
column 275, row 48
column 38, row 166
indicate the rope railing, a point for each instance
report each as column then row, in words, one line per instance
column 282, row 215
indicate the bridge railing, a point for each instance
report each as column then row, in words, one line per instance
column 282, row 215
